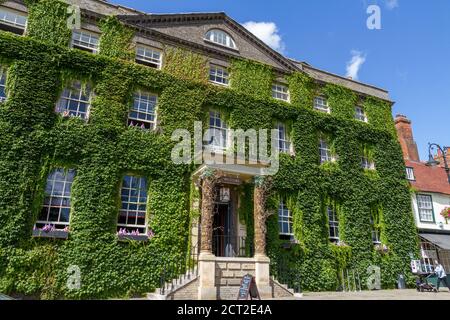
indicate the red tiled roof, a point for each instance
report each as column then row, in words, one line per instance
column 429, row 179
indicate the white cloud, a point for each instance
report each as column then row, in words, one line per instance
column 355, row 63
column 391, row 4
column 267, row 32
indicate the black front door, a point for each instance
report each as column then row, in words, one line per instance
column 223, row 231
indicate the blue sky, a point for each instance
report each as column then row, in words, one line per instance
column 409, row 56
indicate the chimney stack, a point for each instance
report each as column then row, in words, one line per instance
column 406, row 138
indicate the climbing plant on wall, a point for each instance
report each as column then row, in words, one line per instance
column 34, row 139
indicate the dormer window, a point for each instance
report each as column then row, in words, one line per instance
column 220, row 37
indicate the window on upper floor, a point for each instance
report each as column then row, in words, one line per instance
column 133, row 210
column 85, row 40
column 360, row 114
column 333, row 224
column 325, row 151
column 218, row 131
column 3, row 75
column 285, row 221
column 75, row 101
column 321, row 104
column 410, row 174
column 283, row 141
column 12, row 21
column 219, row 75
column 280, row 92
column 143, row 111
column 425, row 207
column 149, row 56
column 220, row 37
column 55, row 212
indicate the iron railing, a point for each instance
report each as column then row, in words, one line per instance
column 231, row 246
column 176, row 273
column 286, row 275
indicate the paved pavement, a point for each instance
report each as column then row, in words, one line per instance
column 378, row 295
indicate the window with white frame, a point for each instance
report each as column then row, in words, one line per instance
column 12, row 21
column 56, row 209
column 220, row 37
column 143, row 111
column 283, row 142
column 325, row 151
column 321, row 104
column 75, row 101
column 280, row 92
column 285, row 220
column 3, row 74
column 133, row 210
column 425, row 206
column 149, row 57
column 333, row 224
column 85, row 41
column 218, row 131
column 360, row 114
column 367, row 164
column 218, row 75
column 410, row 174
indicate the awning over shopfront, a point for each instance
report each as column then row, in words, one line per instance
column 440, row 240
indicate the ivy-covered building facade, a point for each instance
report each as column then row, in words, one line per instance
column 92, row 205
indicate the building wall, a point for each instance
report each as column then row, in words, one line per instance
column 440, row 201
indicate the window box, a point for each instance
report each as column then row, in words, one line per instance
column 133, row 237
column 55, row 234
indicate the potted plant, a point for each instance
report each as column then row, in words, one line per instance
column 50, row 231
column 382, row 248
column 446, row 214
column 124, row 234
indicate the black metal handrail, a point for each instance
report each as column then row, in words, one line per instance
column 232, row 246
column 287, row 275
column 175, row 273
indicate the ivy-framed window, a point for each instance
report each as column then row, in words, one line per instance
column 425, row 207
column 149, row 56
column 360, row 114
column 280, row 92
column 75, row 101
column 333, row 224
column 219, row 75
column 85, row 40
column 285, row 221
column 220, row 37
column 12, row 21
column 143, row 111
column 367, row 163
column 218, row 131
column 133, row 210
column 410, row 174
column 321, row 104
column 325, row 151
column 375, row 226
column 283, row 141
column 56, row 208
column 3, row 75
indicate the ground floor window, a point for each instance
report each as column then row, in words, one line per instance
column 285, row 221
column 132, row 215
column 55, row 213
column 333, row 224
column 430, row 252
column 2, row 84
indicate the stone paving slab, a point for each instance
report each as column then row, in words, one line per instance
column 408, row 294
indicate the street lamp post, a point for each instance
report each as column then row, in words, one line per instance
column 433, row 162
